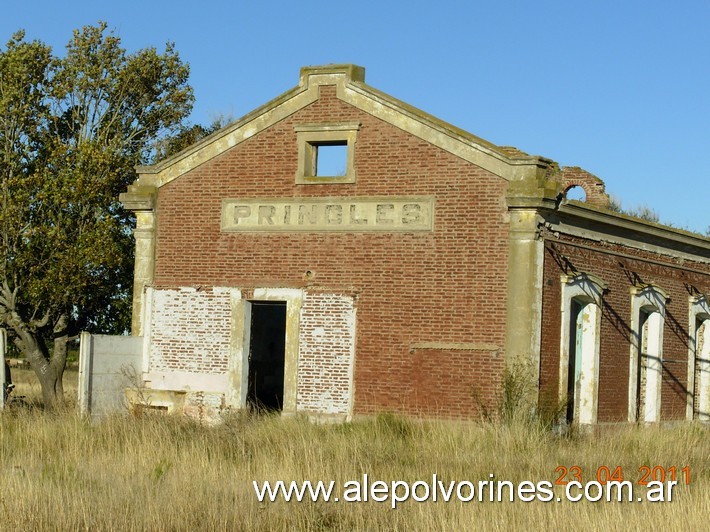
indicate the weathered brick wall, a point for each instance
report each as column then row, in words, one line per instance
column 620, row 273
column 190, row 330
column 594, row 187
column 445, row 286
column 444, row 380
column 206, row 408
column 550, row 336
column 326, row 354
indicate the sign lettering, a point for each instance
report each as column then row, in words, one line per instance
column 387, row 214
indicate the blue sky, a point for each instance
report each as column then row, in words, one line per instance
column 620, row 88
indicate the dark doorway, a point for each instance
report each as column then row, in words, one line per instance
column 266, row 355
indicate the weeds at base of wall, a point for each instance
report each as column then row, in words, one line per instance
column 152, row 472
column 518, row 403
column 137, row 400
column 136, row 397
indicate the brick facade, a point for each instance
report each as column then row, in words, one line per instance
column 453, row 273
column 621, row 268
column 594, row 188
column 417, row 322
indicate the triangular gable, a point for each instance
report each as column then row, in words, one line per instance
column 350, row 88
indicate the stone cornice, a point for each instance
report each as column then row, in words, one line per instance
column 138, row 198
column 636, row 225
column 578, row 219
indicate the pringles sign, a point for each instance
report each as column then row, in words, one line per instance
column 351, row 215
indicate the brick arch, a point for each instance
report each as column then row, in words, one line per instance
column 574, row 186
column 594, row 188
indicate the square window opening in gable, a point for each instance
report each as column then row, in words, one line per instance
column 330, row 159
column 326, row 153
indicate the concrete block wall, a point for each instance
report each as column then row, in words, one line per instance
column 108, row 366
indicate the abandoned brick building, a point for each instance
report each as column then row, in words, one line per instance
column 338, row 252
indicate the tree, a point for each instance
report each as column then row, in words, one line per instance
column 72, row 129
column 189, row 135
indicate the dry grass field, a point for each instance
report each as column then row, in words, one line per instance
column 62, row 472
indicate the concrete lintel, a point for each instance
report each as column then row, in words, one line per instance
column 340, row 126
column 599, row 285
column 654, row 294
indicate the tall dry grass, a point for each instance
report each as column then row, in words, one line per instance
column 62, row 472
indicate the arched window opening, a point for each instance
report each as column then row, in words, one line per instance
column 650, row 364
column 581, row 365
column 576, row 192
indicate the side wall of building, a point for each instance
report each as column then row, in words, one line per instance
column 613, row 265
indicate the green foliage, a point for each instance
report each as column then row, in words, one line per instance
column 645, row 213
column 614, row 204
column 72, row 129
column 187, row 136
column 518, row 394
column 393, row 426
column 519, row 404
column 160, row 469
column 642, row 211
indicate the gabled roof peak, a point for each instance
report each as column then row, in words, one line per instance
column 349, row 80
